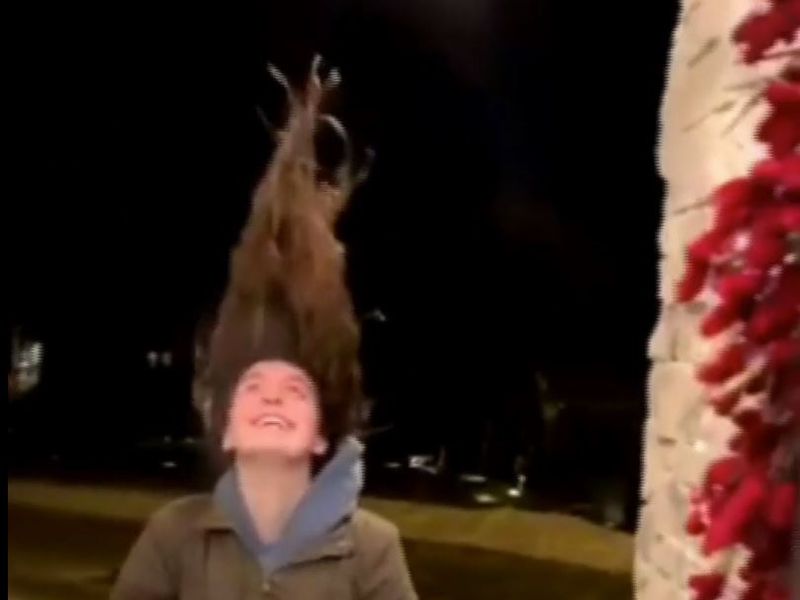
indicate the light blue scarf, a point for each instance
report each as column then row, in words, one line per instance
column 332, row 498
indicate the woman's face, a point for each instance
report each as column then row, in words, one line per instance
column 275, row 412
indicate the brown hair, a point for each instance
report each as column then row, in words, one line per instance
column 286, row 297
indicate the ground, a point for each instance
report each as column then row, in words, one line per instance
column 64, row 543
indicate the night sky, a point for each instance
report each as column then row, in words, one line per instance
column 508, row 224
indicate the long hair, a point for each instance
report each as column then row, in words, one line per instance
column 286, row 297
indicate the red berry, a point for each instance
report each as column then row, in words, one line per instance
column 725, row 471
column 761, row 31
column 707, row 246
column 779, row 313
column 783, row 172
column 707, row 586
column 790, row 218
column 719, row 319
column 765, row 251
column 737, row 513
column 693, row 281
column 783, row 92
column 781, row 505
column 736, row 287
column 694, row 524
column 782, row 353
column 780, row 131
column 725, row 403
column 728, row 363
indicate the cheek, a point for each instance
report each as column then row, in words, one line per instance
column 238, row 411
column 308, row 418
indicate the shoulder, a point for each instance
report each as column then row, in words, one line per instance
column 373, row 532
column 186, row 509
column 152, row 568
column 381, row 566
column 179, row 518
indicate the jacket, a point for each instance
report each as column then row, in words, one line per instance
column 206, row 547
column 190, row 551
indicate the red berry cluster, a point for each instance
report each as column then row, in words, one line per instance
column 750, row 261
column 762, row 30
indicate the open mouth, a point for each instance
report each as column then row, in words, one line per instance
column 272, row 420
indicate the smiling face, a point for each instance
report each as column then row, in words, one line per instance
column 275, row 412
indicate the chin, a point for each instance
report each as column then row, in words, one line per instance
column 281, row 451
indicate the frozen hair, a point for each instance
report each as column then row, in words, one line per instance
column 286, row 297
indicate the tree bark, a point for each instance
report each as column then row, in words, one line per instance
column 707, row 119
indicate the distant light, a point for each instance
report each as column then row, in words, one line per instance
column 514, row 492
column 36, row 353
column 472, row 478
column 155, row 359
column 169, row 464
column 419, row 461
column 485, row 498
column 28, row 356
column 393, row 465
column 377, row 315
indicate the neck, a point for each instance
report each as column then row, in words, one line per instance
column 271, row 491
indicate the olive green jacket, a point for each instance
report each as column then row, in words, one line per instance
column 190, row 551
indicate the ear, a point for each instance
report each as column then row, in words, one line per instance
column 227, row 440
column 205, row 412
column 320, row 446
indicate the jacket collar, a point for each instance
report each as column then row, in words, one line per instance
column 337, row 543
column 212, row 519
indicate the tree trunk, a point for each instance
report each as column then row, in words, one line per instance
column 707, row 125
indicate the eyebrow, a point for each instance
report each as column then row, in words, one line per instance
column 251, row 375
column 300, row 380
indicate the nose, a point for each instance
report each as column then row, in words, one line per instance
column 271, row 399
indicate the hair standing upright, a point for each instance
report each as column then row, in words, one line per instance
column 286, row 297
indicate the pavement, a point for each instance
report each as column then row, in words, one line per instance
column 66, row 540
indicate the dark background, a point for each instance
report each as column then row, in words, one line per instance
column 507, row 227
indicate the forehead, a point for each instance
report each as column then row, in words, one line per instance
column 267, row 370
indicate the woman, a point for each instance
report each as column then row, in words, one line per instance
column 283, row 386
